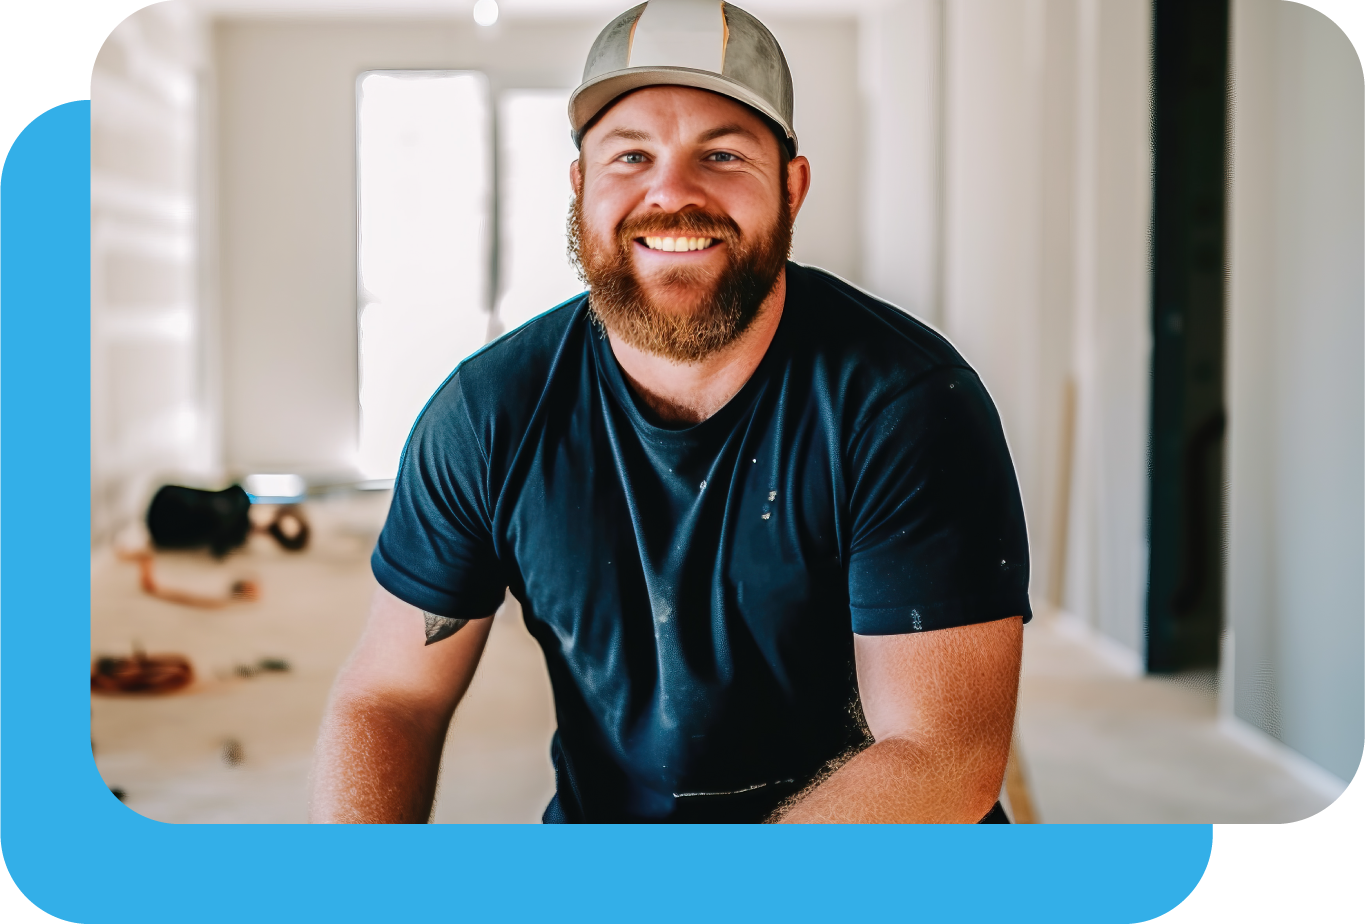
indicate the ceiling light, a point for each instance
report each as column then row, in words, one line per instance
column 486, row 12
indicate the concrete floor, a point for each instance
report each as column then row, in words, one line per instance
column 1097, row 745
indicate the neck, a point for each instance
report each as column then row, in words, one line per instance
column 688, row 393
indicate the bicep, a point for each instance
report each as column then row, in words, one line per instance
column 954, row 685
column 394, row 661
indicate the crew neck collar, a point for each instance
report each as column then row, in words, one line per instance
column 640, row 414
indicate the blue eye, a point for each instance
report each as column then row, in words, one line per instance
column 634, row 157
column 722, row 156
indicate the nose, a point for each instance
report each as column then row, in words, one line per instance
column 674, row 185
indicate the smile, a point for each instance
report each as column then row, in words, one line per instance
column 677, row 244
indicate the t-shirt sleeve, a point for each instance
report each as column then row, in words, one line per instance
column 436, row 549
column 938, row 536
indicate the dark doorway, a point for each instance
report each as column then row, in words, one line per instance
column 1185, row 581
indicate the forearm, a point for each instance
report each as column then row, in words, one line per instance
column 900, row 781
column 379, row 750
column 377, row 762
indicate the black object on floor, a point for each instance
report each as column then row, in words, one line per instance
column 290, row 529
column 189, row 518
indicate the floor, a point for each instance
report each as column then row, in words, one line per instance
column 1099, row 744
column 1095, row 743
column 232, row 748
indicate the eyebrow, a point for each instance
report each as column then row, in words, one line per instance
column 721, row 131
column 629, row 134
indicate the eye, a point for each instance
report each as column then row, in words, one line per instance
column 722, row 157
column 634, row 157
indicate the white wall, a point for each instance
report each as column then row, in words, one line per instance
column 1296, row 390
column 151, row 383
column 1106, row 568
column 1008, row 196
column 900, row 55
column 993, row 216
column 823, row 56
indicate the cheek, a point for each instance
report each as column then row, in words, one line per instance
column 605, row 206
column 755, row 212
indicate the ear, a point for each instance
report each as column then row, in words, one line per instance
column 798, row 183
column 576, row 177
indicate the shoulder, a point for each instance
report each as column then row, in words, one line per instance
column 874, row 350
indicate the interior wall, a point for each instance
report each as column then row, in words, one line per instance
column 1057, row 270
column 151, row 385
column 993, row 58
column 287, row 212
column 1296, row 389
column 1008, row 201
column 1106, row 566
column 900, row 53
column 823, row 56
column 286, row 199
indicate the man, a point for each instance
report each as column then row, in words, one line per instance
column 764, row 526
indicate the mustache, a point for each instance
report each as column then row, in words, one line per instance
column 691, row 222
column 723, row 302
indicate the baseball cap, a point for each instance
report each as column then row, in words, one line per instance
column 706, row 44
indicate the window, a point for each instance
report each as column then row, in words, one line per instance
column 424, row 191
column 427, row 209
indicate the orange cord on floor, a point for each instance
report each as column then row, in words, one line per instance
column 241, row 592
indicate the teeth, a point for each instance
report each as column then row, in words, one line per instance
column 674, row 245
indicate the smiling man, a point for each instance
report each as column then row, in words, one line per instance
column 764, row 526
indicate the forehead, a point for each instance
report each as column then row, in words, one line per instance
column 679, row 115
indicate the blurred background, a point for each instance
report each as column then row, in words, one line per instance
column 1141, row 221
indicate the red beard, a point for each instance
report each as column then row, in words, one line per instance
column 719, row 305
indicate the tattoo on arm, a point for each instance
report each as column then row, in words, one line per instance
column 439, row 627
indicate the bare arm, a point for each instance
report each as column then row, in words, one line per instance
column 380, row 746
column 940, row 705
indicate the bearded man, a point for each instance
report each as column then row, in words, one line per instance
column 764, row 526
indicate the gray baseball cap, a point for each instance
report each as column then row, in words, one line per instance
column 707, row 44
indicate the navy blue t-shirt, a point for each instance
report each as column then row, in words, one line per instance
column 696, row 589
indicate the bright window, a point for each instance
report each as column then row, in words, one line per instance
column 424, row 177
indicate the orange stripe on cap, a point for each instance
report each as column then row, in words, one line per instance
column 724, row 35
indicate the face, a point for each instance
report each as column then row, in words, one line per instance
column 682, row 218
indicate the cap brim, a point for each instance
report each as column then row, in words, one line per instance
column 597, row 94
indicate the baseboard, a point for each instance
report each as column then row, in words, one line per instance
column 1117, row 655
column 1321, row 781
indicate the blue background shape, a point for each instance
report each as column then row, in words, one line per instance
column 79, row 854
